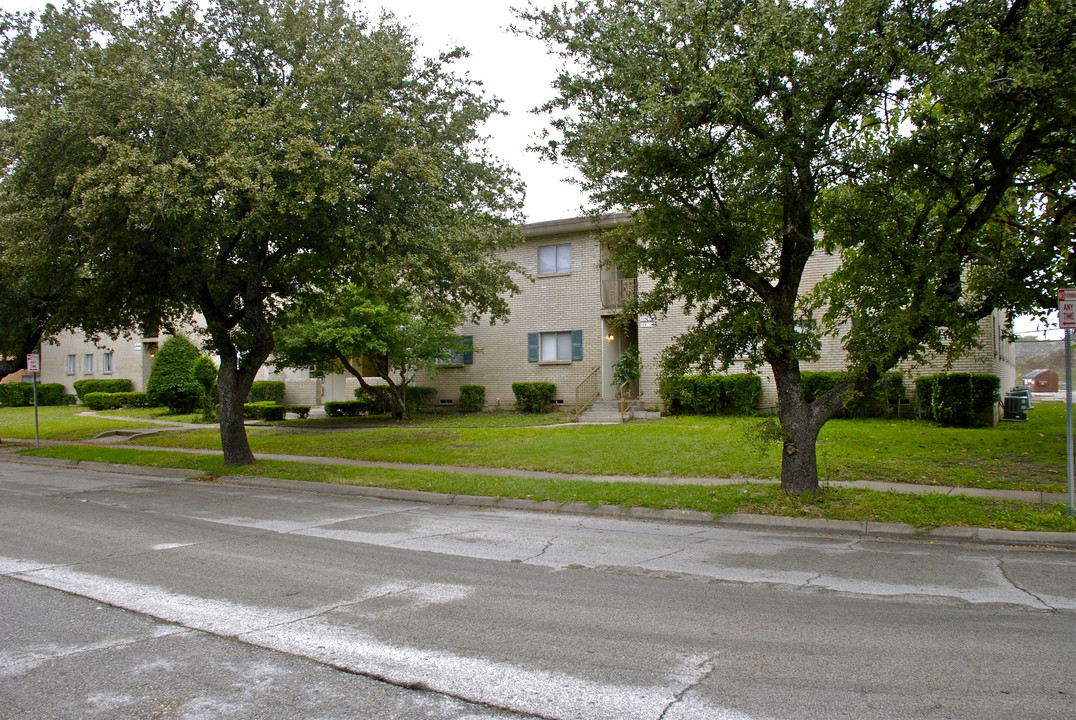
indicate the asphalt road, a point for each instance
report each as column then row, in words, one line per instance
column 136, row 597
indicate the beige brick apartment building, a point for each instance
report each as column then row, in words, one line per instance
column 560, row 330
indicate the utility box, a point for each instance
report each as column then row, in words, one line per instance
column 1016, row 406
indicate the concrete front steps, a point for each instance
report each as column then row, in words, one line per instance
column 606, row 412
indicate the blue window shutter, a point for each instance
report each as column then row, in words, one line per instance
column 532, row 347
column 577, row 344
column 468, row 355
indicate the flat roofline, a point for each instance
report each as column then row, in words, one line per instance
column 568, row 226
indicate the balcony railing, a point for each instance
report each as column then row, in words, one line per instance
column 617, row 293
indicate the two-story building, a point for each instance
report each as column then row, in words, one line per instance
column 561, row 330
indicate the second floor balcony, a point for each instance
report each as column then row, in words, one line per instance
column 617, row 293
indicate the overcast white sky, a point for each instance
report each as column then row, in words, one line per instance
column 515, row 69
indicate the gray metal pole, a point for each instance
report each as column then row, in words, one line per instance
column 37, row 433
column 1068, row 414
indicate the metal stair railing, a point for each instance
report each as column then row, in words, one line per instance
column 587, row 391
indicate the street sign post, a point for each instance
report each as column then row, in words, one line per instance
column 1066, row 319
column 33, row 364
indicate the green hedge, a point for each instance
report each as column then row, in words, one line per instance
column 378, row 397
column 301, row 410
column 472, row 398
column 16, row 394
column 956, row 398
column 878, row 401
column 736, row 394
column 351, row 408
column 110, row 401
column 532, row 397
column 52, row 394
column 264, row 410
column 85, row 387
column 267, row 391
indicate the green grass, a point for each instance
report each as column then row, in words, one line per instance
column 1017, row 456
column 1024, row 456
column 843, row 504
column 57, row 423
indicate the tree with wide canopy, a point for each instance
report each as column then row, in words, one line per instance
column 220, row 160
column 928, row 145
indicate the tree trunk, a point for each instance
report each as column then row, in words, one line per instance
column 233, row 387
column 800, row 423
column 799, row 463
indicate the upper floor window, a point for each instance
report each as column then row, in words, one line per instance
column 555, row 259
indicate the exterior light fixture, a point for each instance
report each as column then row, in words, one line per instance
column 610, row 337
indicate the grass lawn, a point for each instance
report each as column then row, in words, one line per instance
column 1015, row 456
column 842, row 504
column 57, row 423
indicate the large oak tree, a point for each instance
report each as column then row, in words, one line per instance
column 929, row 144
column 220, row 160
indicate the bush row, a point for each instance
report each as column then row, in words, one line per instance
column 113, row 400
column 879, row 400
column 736, row 394
column 264, row 410
column 85, row 387
column 956, row 398
column 532, row 397
column 20, row 394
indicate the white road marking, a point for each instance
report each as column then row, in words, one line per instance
column 308, row 633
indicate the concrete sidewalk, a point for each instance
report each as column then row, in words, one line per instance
column 771, row 523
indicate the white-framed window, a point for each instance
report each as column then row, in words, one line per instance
column 555, row 346
column 549, row 347
column 87, row 363
column 555, row 259
column 108, row 363
column 70, row 364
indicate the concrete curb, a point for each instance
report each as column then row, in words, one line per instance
column 813, row 526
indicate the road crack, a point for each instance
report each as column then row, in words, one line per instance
column 1000, row 564
column 706, row 669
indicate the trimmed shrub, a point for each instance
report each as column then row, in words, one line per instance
column 889, row 389
column 736, row 394
column 267, row 390
column 172, row 381
column 350, row 408
column 51, row 394
column 741, row 393
column 16, row 394
column 85, row 387
column 951, row 402
column 817, row 384
column 301, row 410
column 111, row 401
column 381, row 402
column 275, row 412
column 264, row 410
column 532, row 397
column 205, row 374
column 924, row 394
column 420, row 395
column 984, row 391
column 956, row 398
column 472, row 398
